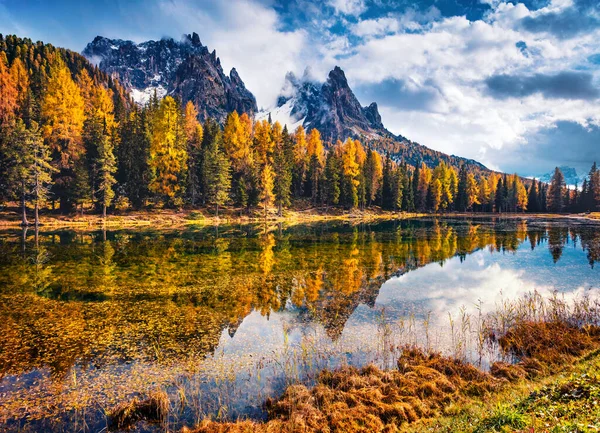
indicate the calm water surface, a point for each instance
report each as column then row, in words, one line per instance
column 222, row 318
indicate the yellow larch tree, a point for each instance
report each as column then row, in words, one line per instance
column 63, row 114
column 267, row 180
column 263, row 142
column 168, row 153
column 9, row 92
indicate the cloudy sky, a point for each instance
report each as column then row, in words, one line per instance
column 514, row 84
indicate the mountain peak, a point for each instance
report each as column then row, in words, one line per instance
column 338, row 77
column 331, row 107
column 182, row 68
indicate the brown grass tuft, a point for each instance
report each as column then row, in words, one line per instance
column 541, row 346
column 353, row 400
column 153, row 409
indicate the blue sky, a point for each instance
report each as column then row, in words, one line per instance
column 514, row 84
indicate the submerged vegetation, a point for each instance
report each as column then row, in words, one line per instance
column 96, row 325
column 428, row 385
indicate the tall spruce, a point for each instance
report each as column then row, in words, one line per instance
column 555, row 196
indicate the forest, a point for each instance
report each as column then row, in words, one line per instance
column 71, row 139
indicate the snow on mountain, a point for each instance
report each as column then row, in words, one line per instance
column 185, row 69
column 141, row 97
column 283, row 115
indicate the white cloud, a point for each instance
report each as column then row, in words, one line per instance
column 458, row 56
column 246, row 36
column 348, row 7
column 409, row 20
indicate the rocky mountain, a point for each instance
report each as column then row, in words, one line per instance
column 571, row 176
column 331, row 107
column 185, row 69
column 334, row 110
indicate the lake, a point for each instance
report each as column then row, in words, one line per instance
column 222, row 318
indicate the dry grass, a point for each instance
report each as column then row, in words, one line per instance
column 540, row 346
column 370, row 399
column 154, row 409
column 425, row 385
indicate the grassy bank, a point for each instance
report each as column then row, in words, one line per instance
column 180, row 218
column 544, row 378
column 430, row 392
column 163, row 218
column 568, row 402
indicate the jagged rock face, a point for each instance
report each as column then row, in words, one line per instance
column 372, row 114
column 184, row 69
column 330, row 107
column 344, row 116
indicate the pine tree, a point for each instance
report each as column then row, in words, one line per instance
column 594, row 188
column 408, row 202
column 373, row 174
column 283, row 160
column 424, row 182
column 237, row 141
column 133, row 154
column 107, row 166
column 41, row 176
column 522, row 197
column 415, row 186
column 555, row 197
column 436, row 194
column 584, row 196
column 333, row 175
column 462, row 200
column 216, row 169
column 351, row 170
column 398, row 187
column 387, row 185
column 100, row 137
column 263, row 142
column 533, row 197
column 500, row 195
column 22, row 157
column 486, row 193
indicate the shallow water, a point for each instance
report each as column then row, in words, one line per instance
column 222, row 318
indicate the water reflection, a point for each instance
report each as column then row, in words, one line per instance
column 226, row 316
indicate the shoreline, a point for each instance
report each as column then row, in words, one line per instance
column 557, row 365
column 203, row 217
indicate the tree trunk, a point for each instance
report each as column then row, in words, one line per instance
column 24, row 240
column 103, row 211
column 37, row 214
column 24, row 221
column 280, row 210
column 217, row 205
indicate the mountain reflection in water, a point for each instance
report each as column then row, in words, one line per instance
column 225, row 317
